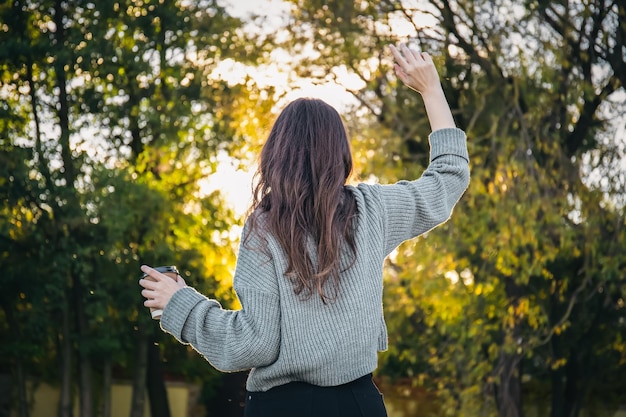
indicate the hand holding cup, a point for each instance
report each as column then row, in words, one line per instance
column 159, row 285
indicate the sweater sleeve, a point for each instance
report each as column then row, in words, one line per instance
column 411, row 208
column 231, row 340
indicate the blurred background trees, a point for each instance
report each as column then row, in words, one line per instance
column 114, row 114
column 110, row 120
column 521, row 294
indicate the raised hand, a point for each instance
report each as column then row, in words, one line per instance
column 417, row 71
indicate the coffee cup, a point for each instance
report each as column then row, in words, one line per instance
column 171, row 272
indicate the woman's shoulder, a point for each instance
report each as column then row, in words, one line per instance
column 256, row 230
column 367, row 197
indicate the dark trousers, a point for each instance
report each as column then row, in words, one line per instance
column 359, row 398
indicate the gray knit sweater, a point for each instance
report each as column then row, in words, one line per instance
column 283, row 338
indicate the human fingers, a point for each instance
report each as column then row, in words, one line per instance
column 156, row 294
column 398, row 56
column 148, row 294
column 152, row 303
column 147, row 270
column 400, row 73
column 411, row 56
column 153, row 273
column 181, row 281
column 426, row 56
column 149, row 284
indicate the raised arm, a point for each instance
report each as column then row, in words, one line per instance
column 418, row 72
column 411, row 208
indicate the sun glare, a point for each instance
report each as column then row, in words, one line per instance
column 278, row 73
column 234, row 184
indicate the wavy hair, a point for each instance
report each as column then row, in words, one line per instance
column 300, row 193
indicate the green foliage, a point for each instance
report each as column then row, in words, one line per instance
column 112, row 118
column 511, row 289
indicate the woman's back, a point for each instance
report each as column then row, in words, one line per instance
column 333, row 342
column 309, row 269
column 300, row 192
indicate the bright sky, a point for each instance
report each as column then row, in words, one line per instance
column 235, row 184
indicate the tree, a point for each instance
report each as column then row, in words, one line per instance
column 113, row 118
column 490, row 299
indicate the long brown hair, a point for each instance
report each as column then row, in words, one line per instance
column 301, row 193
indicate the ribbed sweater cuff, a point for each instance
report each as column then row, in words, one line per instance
column 177, row 310
column 448, row 141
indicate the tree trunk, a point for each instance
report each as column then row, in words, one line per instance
column 139, row 377
column 230, row 396
column 84, row 356
column 557, row 406
column 105, row 410
column 43, row 166
column 86, row 386
column 69, row 170
column 566, row 393
column 5, row 394
column 509, row 388
column 69, row 173
column 572, row 394
column 22, row 390
column 65, row 349
column 23, row 408
column 157, row 393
